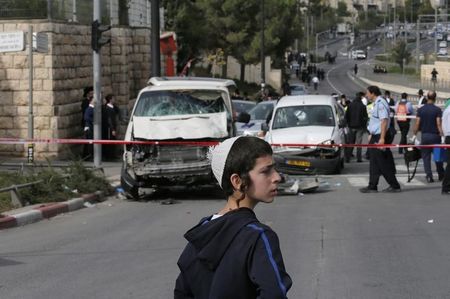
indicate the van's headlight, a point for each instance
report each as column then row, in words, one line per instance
column 328, row 143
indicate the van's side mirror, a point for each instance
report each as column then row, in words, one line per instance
column 264, row 127
column 243, row 117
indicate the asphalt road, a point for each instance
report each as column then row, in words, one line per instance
column 337, row 242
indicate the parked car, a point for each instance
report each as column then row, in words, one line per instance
column 250, row 124
column 442, row 52
column 359, row 54
column 443, row 44
column 298, row 89
column 313, row 120
column 243, row 105
column 175, row 110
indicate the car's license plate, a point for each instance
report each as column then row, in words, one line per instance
column 299, row 163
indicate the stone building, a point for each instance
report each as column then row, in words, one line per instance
column 61, row 74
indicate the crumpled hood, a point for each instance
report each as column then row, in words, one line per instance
column 196, row 126
column 211, row 239
column 302, row 135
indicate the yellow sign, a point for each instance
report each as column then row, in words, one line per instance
column 299, row 163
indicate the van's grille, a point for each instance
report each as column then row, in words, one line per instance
column 181, row 153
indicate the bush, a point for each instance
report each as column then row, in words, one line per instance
column 57, row 185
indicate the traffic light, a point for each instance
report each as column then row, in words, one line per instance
column 97, row 40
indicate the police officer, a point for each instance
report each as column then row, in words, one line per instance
column 381, row 159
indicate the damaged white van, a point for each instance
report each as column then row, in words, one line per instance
column 175, row 110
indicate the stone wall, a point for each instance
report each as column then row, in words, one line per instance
column 59, row 78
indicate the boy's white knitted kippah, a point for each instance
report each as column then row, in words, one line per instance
column 218, row 157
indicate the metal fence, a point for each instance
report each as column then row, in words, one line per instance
column 79, row 11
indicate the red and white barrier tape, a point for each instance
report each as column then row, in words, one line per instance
column 203, row 143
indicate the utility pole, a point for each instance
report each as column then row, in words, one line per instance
column 263, row 60
column 435, row 28
column 97, row 42
column 156, row 55
column 395, row 22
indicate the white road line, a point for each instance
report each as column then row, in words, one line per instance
column 404, row 181
column 358, row 181
column 329, row 82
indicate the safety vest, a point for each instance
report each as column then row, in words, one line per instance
column 401, row 112
column 369, row 108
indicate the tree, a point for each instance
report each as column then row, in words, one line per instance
column 401, row 54
column 342, row 9
column 233, row 26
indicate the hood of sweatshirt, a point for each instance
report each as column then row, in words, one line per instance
column 211, row 238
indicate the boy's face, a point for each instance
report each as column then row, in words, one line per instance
column 264, row 180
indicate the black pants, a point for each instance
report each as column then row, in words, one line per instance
column 446, row 180
column 404, row 129
column 381, row 163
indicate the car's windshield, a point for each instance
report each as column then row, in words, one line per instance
column 302, row 116
column 179, row 102
column 261, row 110
column 243, row 106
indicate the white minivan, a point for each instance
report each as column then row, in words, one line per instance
column 299, row 126
column 169, row 113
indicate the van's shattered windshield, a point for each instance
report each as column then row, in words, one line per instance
column 302, row 116
column 179, row 102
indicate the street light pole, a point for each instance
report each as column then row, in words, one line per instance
column 263, row 62
column 435, row 27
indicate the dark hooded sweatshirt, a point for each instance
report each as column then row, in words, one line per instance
column 232, row 257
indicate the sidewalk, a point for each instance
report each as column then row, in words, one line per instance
column 398, row 83
column 33, row 213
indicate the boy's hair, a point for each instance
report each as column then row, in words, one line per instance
column 242, row 159
column 108, row 98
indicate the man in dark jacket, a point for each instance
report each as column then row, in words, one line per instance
column 110, row 114
column 356, row 118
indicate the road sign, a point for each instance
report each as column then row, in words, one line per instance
column 12, row 41
column 40, row 42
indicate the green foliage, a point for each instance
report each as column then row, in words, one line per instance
column 342, row 9
column 56, row 185
column 234, row 26
column 400, row 53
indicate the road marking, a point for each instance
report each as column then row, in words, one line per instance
column 404, row 181
column 358, row 181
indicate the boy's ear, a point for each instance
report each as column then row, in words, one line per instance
column 236, row 181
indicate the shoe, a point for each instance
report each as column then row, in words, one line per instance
column 359, row 160
column 445, row 192
column 430, row 179
column 391, row 189
column 368, row 190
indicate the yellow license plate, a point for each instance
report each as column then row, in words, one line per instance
column 299, row 163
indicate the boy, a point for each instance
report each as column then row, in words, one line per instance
column 231, row 254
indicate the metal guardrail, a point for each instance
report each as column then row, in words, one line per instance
column 16, row 199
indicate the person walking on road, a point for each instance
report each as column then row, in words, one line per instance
column 356, row 118
column 355, row 69
column 429, row 122
column 315, row 81
column 446, row 132
column 381, row 159
column 403, row 109
column 231, row 254
column 422, row 99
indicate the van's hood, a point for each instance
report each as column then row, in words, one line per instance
column 192, row 126
column 301, row 135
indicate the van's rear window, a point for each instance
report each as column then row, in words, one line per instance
column 179, row 102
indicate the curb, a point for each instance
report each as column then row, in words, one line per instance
column 49, row 210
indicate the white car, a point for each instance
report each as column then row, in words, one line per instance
column 442, row 52
column 359, row 54
column 175, row 110
column 307, row 122
column 443, row 44
column 259, row 115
